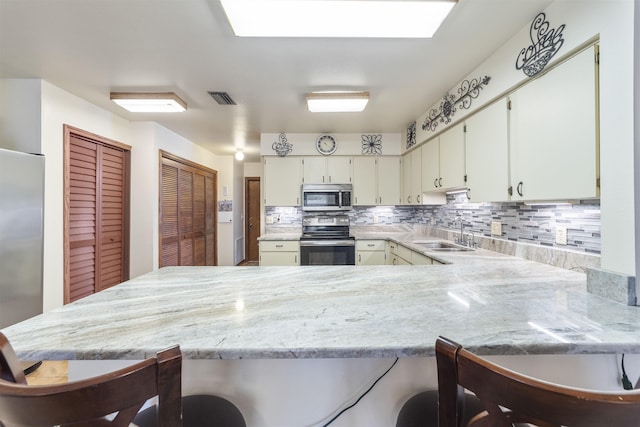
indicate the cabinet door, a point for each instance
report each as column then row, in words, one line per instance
column 452, row 158
column 406, row 179
column 314, row 170
column 554, row 144
column 282, row 177
column 370, row 258
column 416, row 176
column 364, row 181
column 338, row 170
column 388, row 180
column 431, row 166
column 487, row 154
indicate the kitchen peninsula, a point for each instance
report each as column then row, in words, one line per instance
column 493, row 303
column 291, row 346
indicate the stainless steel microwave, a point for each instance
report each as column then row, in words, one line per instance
column 326, row 197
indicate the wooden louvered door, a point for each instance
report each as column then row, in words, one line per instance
column 96, row 225
column 187, row 213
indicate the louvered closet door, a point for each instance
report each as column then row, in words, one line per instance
column 96, row 217
column 187, row 215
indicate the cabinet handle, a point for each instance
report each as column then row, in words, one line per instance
column 359, row 258
column 519, row 189
column 440, row 182
column 395, row 261
column 408, row 199
column 468, row 195
column 295, row 259
column 370, row 245
column 435, row 183
column 279, row 246
column 418, row 198
column 510, row 190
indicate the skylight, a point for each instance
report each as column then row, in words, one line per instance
column 336, row 18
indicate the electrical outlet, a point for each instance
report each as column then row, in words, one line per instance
column 561, row 235
column 375, row 219
column 433, row 220
column 269, row 219
column 496, row 228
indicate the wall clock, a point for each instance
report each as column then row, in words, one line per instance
column 326, row 144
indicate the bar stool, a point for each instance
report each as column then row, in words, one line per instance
column 510, row 398
column 201, row 410
column 111, row 399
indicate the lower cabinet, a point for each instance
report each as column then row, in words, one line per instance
column 370, row 252
column 280, row 252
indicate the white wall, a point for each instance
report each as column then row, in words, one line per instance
column 59, row 107
column 612, row 22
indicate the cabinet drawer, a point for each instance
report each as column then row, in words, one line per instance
column 393, row 248
column 370, row 245
column 279, row 245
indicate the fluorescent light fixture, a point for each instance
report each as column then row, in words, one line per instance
column 336, row 18
column 239, row 155
column 164, row 102
column 337, row 102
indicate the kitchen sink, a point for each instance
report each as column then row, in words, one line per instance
column 441, row 246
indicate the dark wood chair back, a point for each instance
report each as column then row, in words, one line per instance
column 510, row 398
column 111, row 399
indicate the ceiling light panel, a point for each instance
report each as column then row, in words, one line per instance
column 165, row 102
column 337, row 102
column 336, row 18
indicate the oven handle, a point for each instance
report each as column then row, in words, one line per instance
column 327, row 243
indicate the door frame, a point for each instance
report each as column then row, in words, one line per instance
column 68, row 131
column 247, row 202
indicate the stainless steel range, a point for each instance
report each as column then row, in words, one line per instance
column 325, row 240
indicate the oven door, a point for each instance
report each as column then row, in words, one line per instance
column 327, row 252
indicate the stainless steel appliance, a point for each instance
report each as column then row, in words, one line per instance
column 326, row 197
column 21, row 235
column 325, row 240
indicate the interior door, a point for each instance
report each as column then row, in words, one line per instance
column 252, row 221
column 96, row 213
column 187, row 213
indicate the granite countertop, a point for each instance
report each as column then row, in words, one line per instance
column 491, row 303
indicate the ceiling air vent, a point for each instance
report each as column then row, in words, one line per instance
column 222, row 98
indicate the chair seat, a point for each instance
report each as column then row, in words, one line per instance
column 200, row 410
column 421, row 410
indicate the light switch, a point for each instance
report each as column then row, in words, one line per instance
column 561, row 235
column 496, row 228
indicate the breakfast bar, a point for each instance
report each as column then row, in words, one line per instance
column 292, row 345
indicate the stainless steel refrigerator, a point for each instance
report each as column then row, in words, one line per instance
column 21, row 235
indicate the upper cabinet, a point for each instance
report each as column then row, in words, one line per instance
column 487, row 154
column 553, row 133
column 327, row 170
column 376, row 180
column 283, row 181
column 412, row 177
column 443, row 161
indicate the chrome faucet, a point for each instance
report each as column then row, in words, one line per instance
column 461, row 238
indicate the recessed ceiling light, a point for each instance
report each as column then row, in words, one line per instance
column 337, row 102
column 334, row 18
column 163, row 102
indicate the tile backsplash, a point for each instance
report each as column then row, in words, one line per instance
column 534, row 224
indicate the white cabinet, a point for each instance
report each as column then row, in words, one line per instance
column 283, row 181
column 370, row 252
column 412, row 177
column 553, row 133
column 487, row 154
column 280, row 252
column 327, row 170
column 376, row 180
column 443, row 161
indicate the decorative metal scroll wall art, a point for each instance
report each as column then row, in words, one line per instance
column 281, row 146
column 545, row 43
column 411, row 135
column 372, row 144
column 467, row 91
